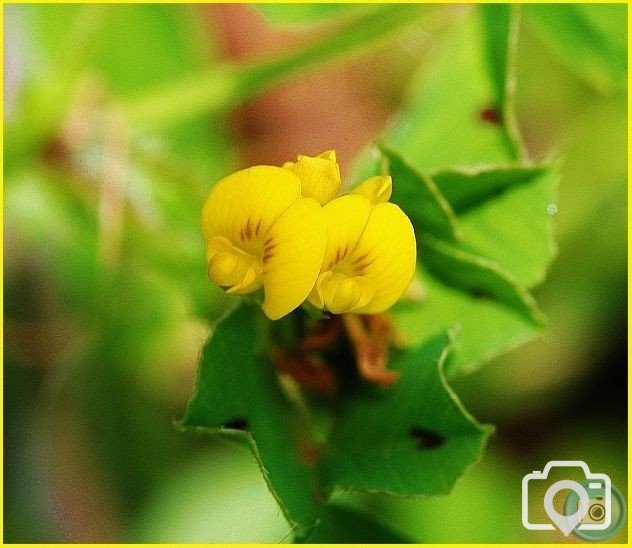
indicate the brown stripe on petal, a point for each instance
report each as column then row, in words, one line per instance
column 361, row 263
column 248, row 230
column 269, row 246
column 359, row 259
column 257, row 228
column 267, row 255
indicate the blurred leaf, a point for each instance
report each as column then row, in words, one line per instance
column 454, row 114
column 496, row 21
column 44, row 220
column 590, row 38
column 342, row 525
column 169, row 47
column 218, row 88
column 174, row 45
column 486, row 327
column 51, row 47
column 217, row 496
column 413, row 439
column 238, row 395
column 305, row 14
column 111, row 36
column 96, row 57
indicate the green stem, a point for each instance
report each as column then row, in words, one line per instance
column 224, row 86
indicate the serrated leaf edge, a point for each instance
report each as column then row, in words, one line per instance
column 485, row 429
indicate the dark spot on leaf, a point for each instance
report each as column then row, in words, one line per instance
column 479, row 294
column 238, row 423
column 490, row 115
column 426, row 439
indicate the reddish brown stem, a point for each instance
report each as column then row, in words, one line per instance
column 370, row 342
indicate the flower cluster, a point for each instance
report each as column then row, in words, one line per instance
column 285, row 228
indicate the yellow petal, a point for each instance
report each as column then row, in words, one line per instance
column 316, row 295
column 251, row 282
column 319, row 175
column 216, row 245
column 376, row 189
column 341, row 293
column 292, row 257
column 227, row 269
column 229, row 266
column 386, row 254
column 244, row 205
column 346, row 218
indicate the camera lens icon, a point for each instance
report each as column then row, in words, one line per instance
column 596, row 511
column 590, row 502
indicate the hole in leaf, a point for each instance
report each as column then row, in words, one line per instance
column 426, row 439
column 238, row 423
column 490, row 115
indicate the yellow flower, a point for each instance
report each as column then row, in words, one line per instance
column 319, row 175
column 264, row 226
column 260, row 231
column 370, row 254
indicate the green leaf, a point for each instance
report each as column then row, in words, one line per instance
column 221, row 87
column 466, row 188
column 506, row 247
column 486, row 327
column 516, row 228
column 590, row 38
column 414, row 438
column 458, row 132
column 501, row 24
column 342, row 525
column 496, row 26
column 213, row 497
column 418, row 194
column 238, row 395
column 444, row 121
column 478, row 275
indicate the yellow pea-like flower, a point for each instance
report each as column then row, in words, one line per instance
column 370, row 254
column 260, row 230
column 319, row 175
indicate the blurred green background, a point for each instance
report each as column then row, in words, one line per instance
column 106, row 299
